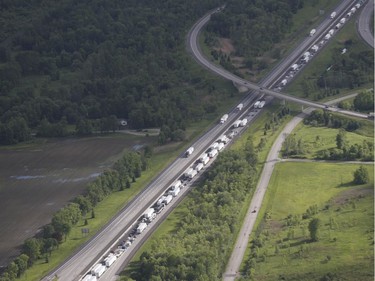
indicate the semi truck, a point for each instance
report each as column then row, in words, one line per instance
column 333, row 14
column 294, row 66
column 312, row 32
column 237, row 123
column 224, row 139
column 176, row 184
column 174, row 192
column 283, row 83
column 199, row 167
column 188, row 172
column 189, row 151
column 193, row 174
column 205, row 160
column 141, row 227
column 331, row 31
column 262, row 103
column 98, row 270
column 90, row 278
column 256, row 104
column 168, row 199
column 212, row 153
column 220, row 146
column 244, row 122
column 343, row 20
column 108, row 261
column 240, row 106
column 328, row 36
column 224, row 118
column 160, row 201
column 148, row 213
column 315, row 48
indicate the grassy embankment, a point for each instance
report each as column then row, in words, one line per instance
column 346, row 213
column 255, row 131
column 316, row 139
column 106, row 209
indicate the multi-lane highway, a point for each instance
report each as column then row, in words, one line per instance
column 85, row 257
column 364, row 23
column 279, row 70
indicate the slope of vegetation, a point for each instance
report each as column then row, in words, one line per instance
column 89, row 63
column 283, row 248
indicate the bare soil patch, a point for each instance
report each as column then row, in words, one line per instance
column 226, row 46
column 347, row 195
column 37, row 181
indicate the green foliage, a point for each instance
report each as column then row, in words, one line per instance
column 361, row 176
column 314, row 225
column 321, row 117
column 94, row 62
column 364, row 101
column 292, row 147
column 209, row 220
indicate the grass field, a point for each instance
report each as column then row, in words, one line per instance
column 326, row 138
column 345, row 248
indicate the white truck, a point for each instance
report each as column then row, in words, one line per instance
column 333, row 14
column 312, row 32
column 205, row 160
column 176, row 184
column 256, row 104
column 199, row 167
column 294, row 67
column 189, row 151
column 328, row 36
column 244, row 122
column 331, row 31
column 110, row 260
column 142, row 226
column 160, row 200
column 306, row 54
column 174, row 192
column 283, row 83
column 224, row 139
column 353, row 10
column 237, row 123
column 357, row 5
column 212, row 153
column 220, row 146
column 214, row 145
column 343, row 20
column 224, row 118
column 315, row 48
column 337, row 26
column 188, row 172
column 262, row 103
column 203, row 156
column 239, row 107
column 193, row 174
column 168, row 199
column 98, row 270
column 148, row 213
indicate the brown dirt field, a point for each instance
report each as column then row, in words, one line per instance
column 37, row 181
column 226, row 46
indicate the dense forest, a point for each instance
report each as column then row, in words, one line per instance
column 89, row 63
column 254, row 26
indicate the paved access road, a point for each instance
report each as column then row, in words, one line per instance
column 327, row 24
column 238, row 253
column 364, row 23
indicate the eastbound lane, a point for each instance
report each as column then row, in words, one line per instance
column 193, row 45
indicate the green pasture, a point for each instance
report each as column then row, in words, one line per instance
column 316, row 139
column 346, row 212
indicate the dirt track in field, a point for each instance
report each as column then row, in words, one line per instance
column 36, row 182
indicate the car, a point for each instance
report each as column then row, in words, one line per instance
column 261, row 89
column 254, row 211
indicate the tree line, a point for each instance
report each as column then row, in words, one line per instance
column 200, row 244
column 73, row 63
column 124, row 172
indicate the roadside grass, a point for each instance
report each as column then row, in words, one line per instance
column 346, row 212
column 168, row 226
column 316, row 139
column 321, row 62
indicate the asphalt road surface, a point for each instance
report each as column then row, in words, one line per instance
column 364, row 23
column 193, row 44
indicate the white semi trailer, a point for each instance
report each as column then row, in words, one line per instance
column 224, row 118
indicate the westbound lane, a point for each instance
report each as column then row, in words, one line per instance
column 279, row 70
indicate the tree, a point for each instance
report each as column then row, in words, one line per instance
column 341, row 139
column 314, row 229
column 31, row 248
column 21, row 262
column 361, row 175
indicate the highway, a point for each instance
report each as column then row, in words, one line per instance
column 364, row 22
column 193, row 44
column 85, row 257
